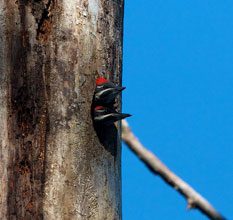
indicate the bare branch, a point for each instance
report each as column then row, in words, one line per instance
column 194, row 199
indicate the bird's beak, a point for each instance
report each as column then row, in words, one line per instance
column 121, row 88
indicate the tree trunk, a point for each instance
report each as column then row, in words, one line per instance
column 53, row 163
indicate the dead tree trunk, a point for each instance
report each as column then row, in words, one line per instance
column 52, row 163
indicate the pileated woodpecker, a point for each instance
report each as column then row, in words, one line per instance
column 103, row 109
column 104, row 115
column 106, row 92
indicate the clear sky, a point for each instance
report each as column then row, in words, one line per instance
column 178, row 70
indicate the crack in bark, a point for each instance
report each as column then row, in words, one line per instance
column 45, row 23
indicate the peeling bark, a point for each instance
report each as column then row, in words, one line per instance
column 52, row 163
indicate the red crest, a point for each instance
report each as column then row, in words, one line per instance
column 100, row 81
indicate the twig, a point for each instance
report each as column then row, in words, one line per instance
column 194, row 199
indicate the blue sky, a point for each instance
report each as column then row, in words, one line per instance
column 178, row 70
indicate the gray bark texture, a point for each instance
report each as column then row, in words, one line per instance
column 53, row 163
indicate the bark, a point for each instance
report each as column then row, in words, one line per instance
column 53, row 164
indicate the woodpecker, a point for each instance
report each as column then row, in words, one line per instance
column 106, row 92
column 106, row 116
